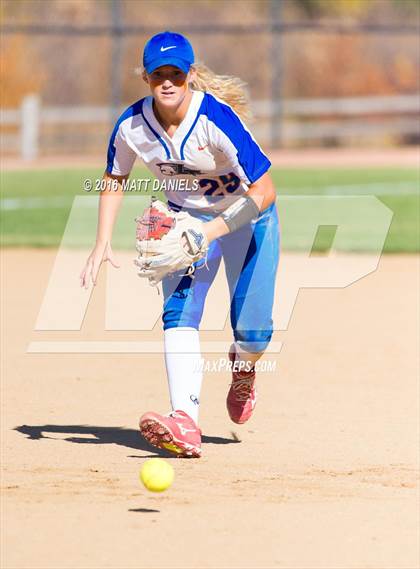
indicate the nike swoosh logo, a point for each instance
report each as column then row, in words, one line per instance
column 184, row 431
column 202, row 147
column 166, row 48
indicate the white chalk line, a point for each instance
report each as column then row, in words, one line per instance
column 116, row 347
column 374, row 188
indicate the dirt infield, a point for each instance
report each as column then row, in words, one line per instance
column 324, row 476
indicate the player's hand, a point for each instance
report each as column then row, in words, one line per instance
column 101, row 253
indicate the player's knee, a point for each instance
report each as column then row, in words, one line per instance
column 254, row 341
column 178, row 310
column 175, row 319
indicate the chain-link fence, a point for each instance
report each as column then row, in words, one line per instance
column 314, row 78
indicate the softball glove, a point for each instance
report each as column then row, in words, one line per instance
column 168, row 242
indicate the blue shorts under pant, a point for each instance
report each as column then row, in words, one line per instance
column 251, row 257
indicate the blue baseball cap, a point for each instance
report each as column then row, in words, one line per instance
column 168, row 48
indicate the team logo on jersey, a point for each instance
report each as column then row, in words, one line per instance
column 173, row 169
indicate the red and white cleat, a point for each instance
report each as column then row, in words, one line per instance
column 175, row 432
column 242, row 396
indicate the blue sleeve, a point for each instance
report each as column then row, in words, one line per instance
column 235, row 139
column 120, row 157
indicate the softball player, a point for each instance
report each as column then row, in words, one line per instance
column 189, row 129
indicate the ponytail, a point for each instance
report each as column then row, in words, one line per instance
column 231, row 90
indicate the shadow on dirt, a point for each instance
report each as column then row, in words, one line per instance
column 129, row 438
column 144, row 510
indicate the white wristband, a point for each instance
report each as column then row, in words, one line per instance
column 239, row 213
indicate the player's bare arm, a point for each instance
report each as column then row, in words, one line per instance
column 109, row 205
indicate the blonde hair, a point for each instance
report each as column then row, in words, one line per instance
column 231, row 90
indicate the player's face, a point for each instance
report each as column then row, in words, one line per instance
column 168, row 85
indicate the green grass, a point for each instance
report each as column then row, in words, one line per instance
column 36, row 205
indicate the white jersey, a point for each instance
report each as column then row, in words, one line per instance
column 210, row 156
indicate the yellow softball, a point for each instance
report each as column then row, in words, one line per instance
column 157, row 474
